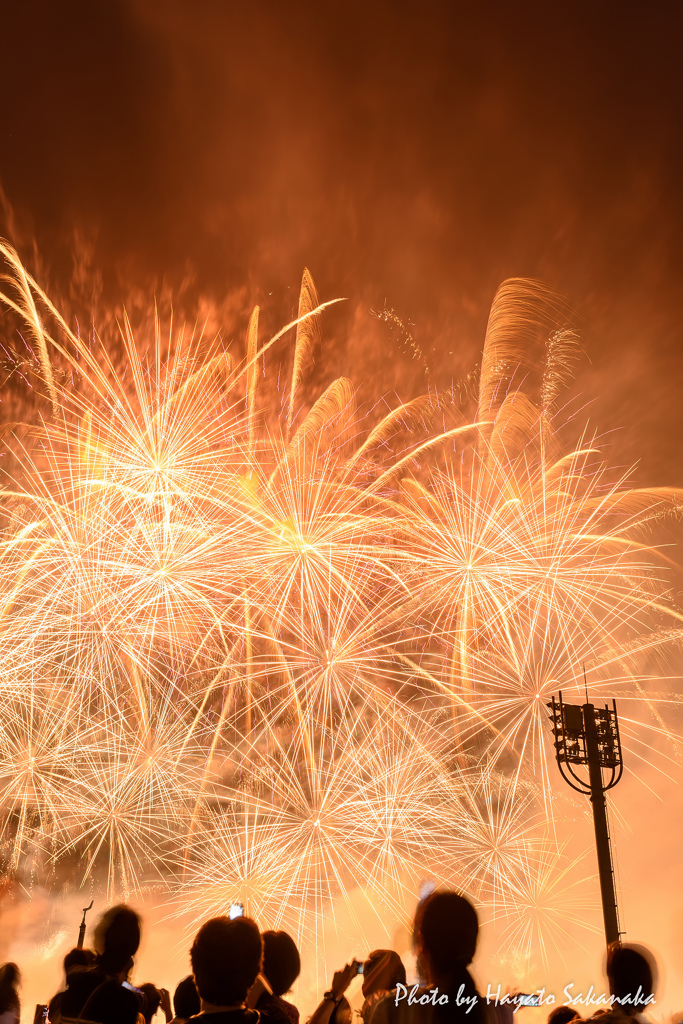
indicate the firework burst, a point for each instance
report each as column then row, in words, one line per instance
column 262, row 657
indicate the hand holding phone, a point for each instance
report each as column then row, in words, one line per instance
column 342, row 979
column 528, row 1000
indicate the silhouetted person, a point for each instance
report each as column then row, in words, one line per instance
column 76, row 957
column 226, row 958
column 632, row 977
column 96, row 993
column 382, row 972
column 186, row 1000
column 154, row 999
column 334, row 1008
column 281, row 967
column 10, row 1006
column 563, row 1014
column 445, row 939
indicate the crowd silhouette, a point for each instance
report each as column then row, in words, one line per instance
column 241, row 976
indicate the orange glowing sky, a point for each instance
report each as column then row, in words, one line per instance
column 412, row 155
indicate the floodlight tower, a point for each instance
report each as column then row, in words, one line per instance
column 81, row 930
column 589, row 736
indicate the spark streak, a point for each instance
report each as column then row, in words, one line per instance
column 254, row 658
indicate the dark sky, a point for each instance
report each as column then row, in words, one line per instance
column 413, row 154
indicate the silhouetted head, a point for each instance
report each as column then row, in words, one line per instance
column 152, row 999
column 226, row 957
column 186, row 999
column 382, row 971
column 78, row 958
column 563, row 1014
column 630, row 968
column 117, row 937
column 281, row 961
column 10, row 979
column 445, row 933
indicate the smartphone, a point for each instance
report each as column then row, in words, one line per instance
column 359, row 966
column 40, row 1016
column 132, row 988
column 236, row 910
column 528, row 1000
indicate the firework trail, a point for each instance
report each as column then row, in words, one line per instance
column 260, row 656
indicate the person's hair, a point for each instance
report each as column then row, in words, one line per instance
column 563, row 1014
column 226, row 957
column 152, row 998
column 446, row 929
column 384, row 970
column 10, row 977
column 628, row 969
column 281, row 961
column 117, row 937
column 78, row 958
column 186, row 998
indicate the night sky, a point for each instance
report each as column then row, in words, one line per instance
column 411, row 154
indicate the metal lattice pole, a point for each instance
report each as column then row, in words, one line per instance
column 587, row 736
column 81, row 930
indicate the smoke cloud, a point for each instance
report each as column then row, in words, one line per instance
column 412, row 157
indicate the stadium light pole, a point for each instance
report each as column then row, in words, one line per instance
column 586, row 736
column 81, row 930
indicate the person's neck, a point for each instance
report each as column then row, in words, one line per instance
column 445, row 982
column 119, row 973
column 215, row 1008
